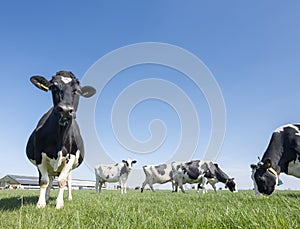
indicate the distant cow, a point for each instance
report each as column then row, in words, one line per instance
column 159, row 174
column 56, row 146
column 113, row 173
column 282, row 156
column 198, row 171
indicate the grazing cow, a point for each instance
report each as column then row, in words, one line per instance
column 197, row 171
column 113, row 173
column 282, row 156
column 56, row 146
column 159, row 174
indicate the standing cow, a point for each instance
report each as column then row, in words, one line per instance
column 113, row 173
column 282, row 156
column 159, row 174
column 56, row 146
column 198, row 171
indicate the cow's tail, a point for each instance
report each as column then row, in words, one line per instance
column 145, row 169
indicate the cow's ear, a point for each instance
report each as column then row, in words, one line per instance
column 254, row 166
column 87, row 91
column 268, row 163
column 40, row 82
column 134, row 161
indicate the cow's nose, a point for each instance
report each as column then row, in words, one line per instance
column 66, row 110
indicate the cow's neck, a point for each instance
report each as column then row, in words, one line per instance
column 275, row 152
column 61, row 132
column 221, row 176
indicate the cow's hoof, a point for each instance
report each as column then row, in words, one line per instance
column 40, row 205
column 59, row 205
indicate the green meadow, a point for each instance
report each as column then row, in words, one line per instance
column 161, row 209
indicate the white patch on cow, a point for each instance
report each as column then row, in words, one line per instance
column 280, row 129
column 66, row 79
column 55, row 163
column 294, row 168
column 254, row 182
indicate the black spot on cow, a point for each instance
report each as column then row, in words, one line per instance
column 161, row 169
column 192, row 172
column 123, row 170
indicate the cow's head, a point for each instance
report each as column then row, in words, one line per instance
column 66, row 91
column 264, row 177
column 231, row 185
column 129, row 163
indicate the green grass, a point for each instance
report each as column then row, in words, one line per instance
column 161, row 209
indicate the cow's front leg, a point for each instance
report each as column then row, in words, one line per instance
column 204, row 182
column 62, row 180
column 44, row 182
column 122, row 184
column 179, row 182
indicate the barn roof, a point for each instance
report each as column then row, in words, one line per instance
column 23, row 180
column 34, row 181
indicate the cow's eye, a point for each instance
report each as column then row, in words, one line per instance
column 75, row 91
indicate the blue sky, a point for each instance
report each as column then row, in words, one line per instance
column 251, row 48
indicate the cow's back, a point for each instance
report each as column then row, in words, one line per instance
column 109, row 173
column 161, row 173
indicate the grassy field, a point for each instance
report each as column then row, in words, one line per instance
column 161, row 209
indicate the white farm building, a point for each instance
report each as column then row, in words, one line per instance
column 32, row 182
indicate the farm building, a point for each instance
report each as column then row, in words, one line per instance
column 32, row 182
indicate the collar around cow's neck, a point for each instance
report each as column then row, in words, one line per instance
column 273, row 171
column 270, row 169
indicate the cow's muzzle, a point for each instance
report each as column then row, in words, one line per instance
column 66, row 113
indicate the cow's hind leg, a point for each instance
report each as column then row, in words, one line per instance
column 180, row 184
column 143, row 185
column 49, row 188
column 97, row 184
column 70, row 186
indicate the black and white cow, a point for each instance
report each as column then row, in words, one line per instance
column 113, row 173
column 56, row 146
column 157, row 174
column 198, row 171
column 282, row 156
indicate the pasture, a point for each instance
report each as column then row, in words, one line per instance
column 161, row 209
